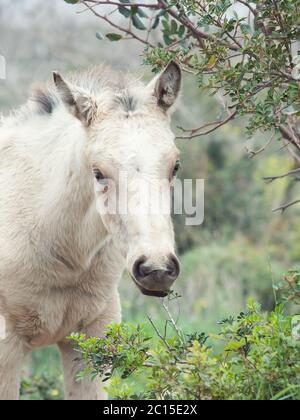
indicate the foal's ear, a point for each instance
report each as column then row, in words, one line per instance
column 78, row 103
column 167, row 85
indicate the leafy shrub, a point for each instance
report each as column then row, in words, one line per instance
column 42, row 387
column 241, row 50
column 260, row 357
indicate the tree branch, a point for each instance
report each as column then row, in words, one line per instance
column 217, row 124
column 288, row 135
column 173, row 323
column 274, row 178
column 189, row 24
column 115, row 3
column 158, row 333
column 114, row 25
column 209, row 41
column 284, row 207
column 252, row 10
column 254, row 153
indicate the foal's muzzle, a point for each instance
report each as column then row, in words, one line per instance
column 153, row 280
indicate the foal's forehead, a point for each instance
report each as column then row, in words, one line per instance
column 142, row 134
column 137, row 141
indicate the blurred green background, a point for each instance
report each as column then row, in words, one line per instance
column 241, row 249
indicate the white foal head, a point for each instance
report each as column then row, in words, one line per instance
column 133, row 159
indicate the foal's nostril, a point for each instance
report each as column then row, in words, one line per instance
column 173, row 268
column 140, row 270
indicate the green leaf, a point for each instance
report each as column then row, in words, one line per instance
column 138, row 23
column 166, row 25
column 156, row 22
column 181, row 31
column 234, row 345
column 141, row 13
column 113, row 37
column 174, row 27
column 212, row 62
column 167, row 39
column 72, row 1
column 124, row 11
column 246, row 29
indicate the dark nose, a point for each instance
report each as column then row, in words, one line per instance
column 154, row 280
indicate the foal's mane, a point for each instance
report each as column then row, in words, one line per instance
column 44, row 98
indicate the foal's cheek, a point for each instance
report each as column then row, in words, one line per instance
column 102, row 204
column 111, row 224
column 106, row 210
column 100, row 189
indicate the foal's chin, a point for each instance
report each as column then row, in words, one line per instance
column 153, row 293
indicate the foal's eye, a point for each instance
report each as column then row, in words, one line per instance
column 176, row 169
column 99, row 176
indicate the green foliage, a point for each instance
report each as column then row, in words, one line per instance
column 42, row 387
column 113, row 37
column 138, row 23
column 72, row 1
column 289, row 288
column 247, row 55
column 42, row 377
column 260, row 358
column 251, row 64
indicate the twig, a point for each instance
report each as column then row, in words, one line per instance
column 174, row 325
column 284, row 207
column 115, row 3
column 168, row 47
column 281, row 25
column 254, row 153
column 288, row 135
column 194, row 130
column 200, row 35
column 274, row 178
column 114, row 25
column 159, row 334
column 291, row 151
column 217, row 125
column 252, row 10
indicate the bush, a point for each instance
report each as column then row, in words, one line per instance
column 42, row 387
column 259, row 360
column 244, row 52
